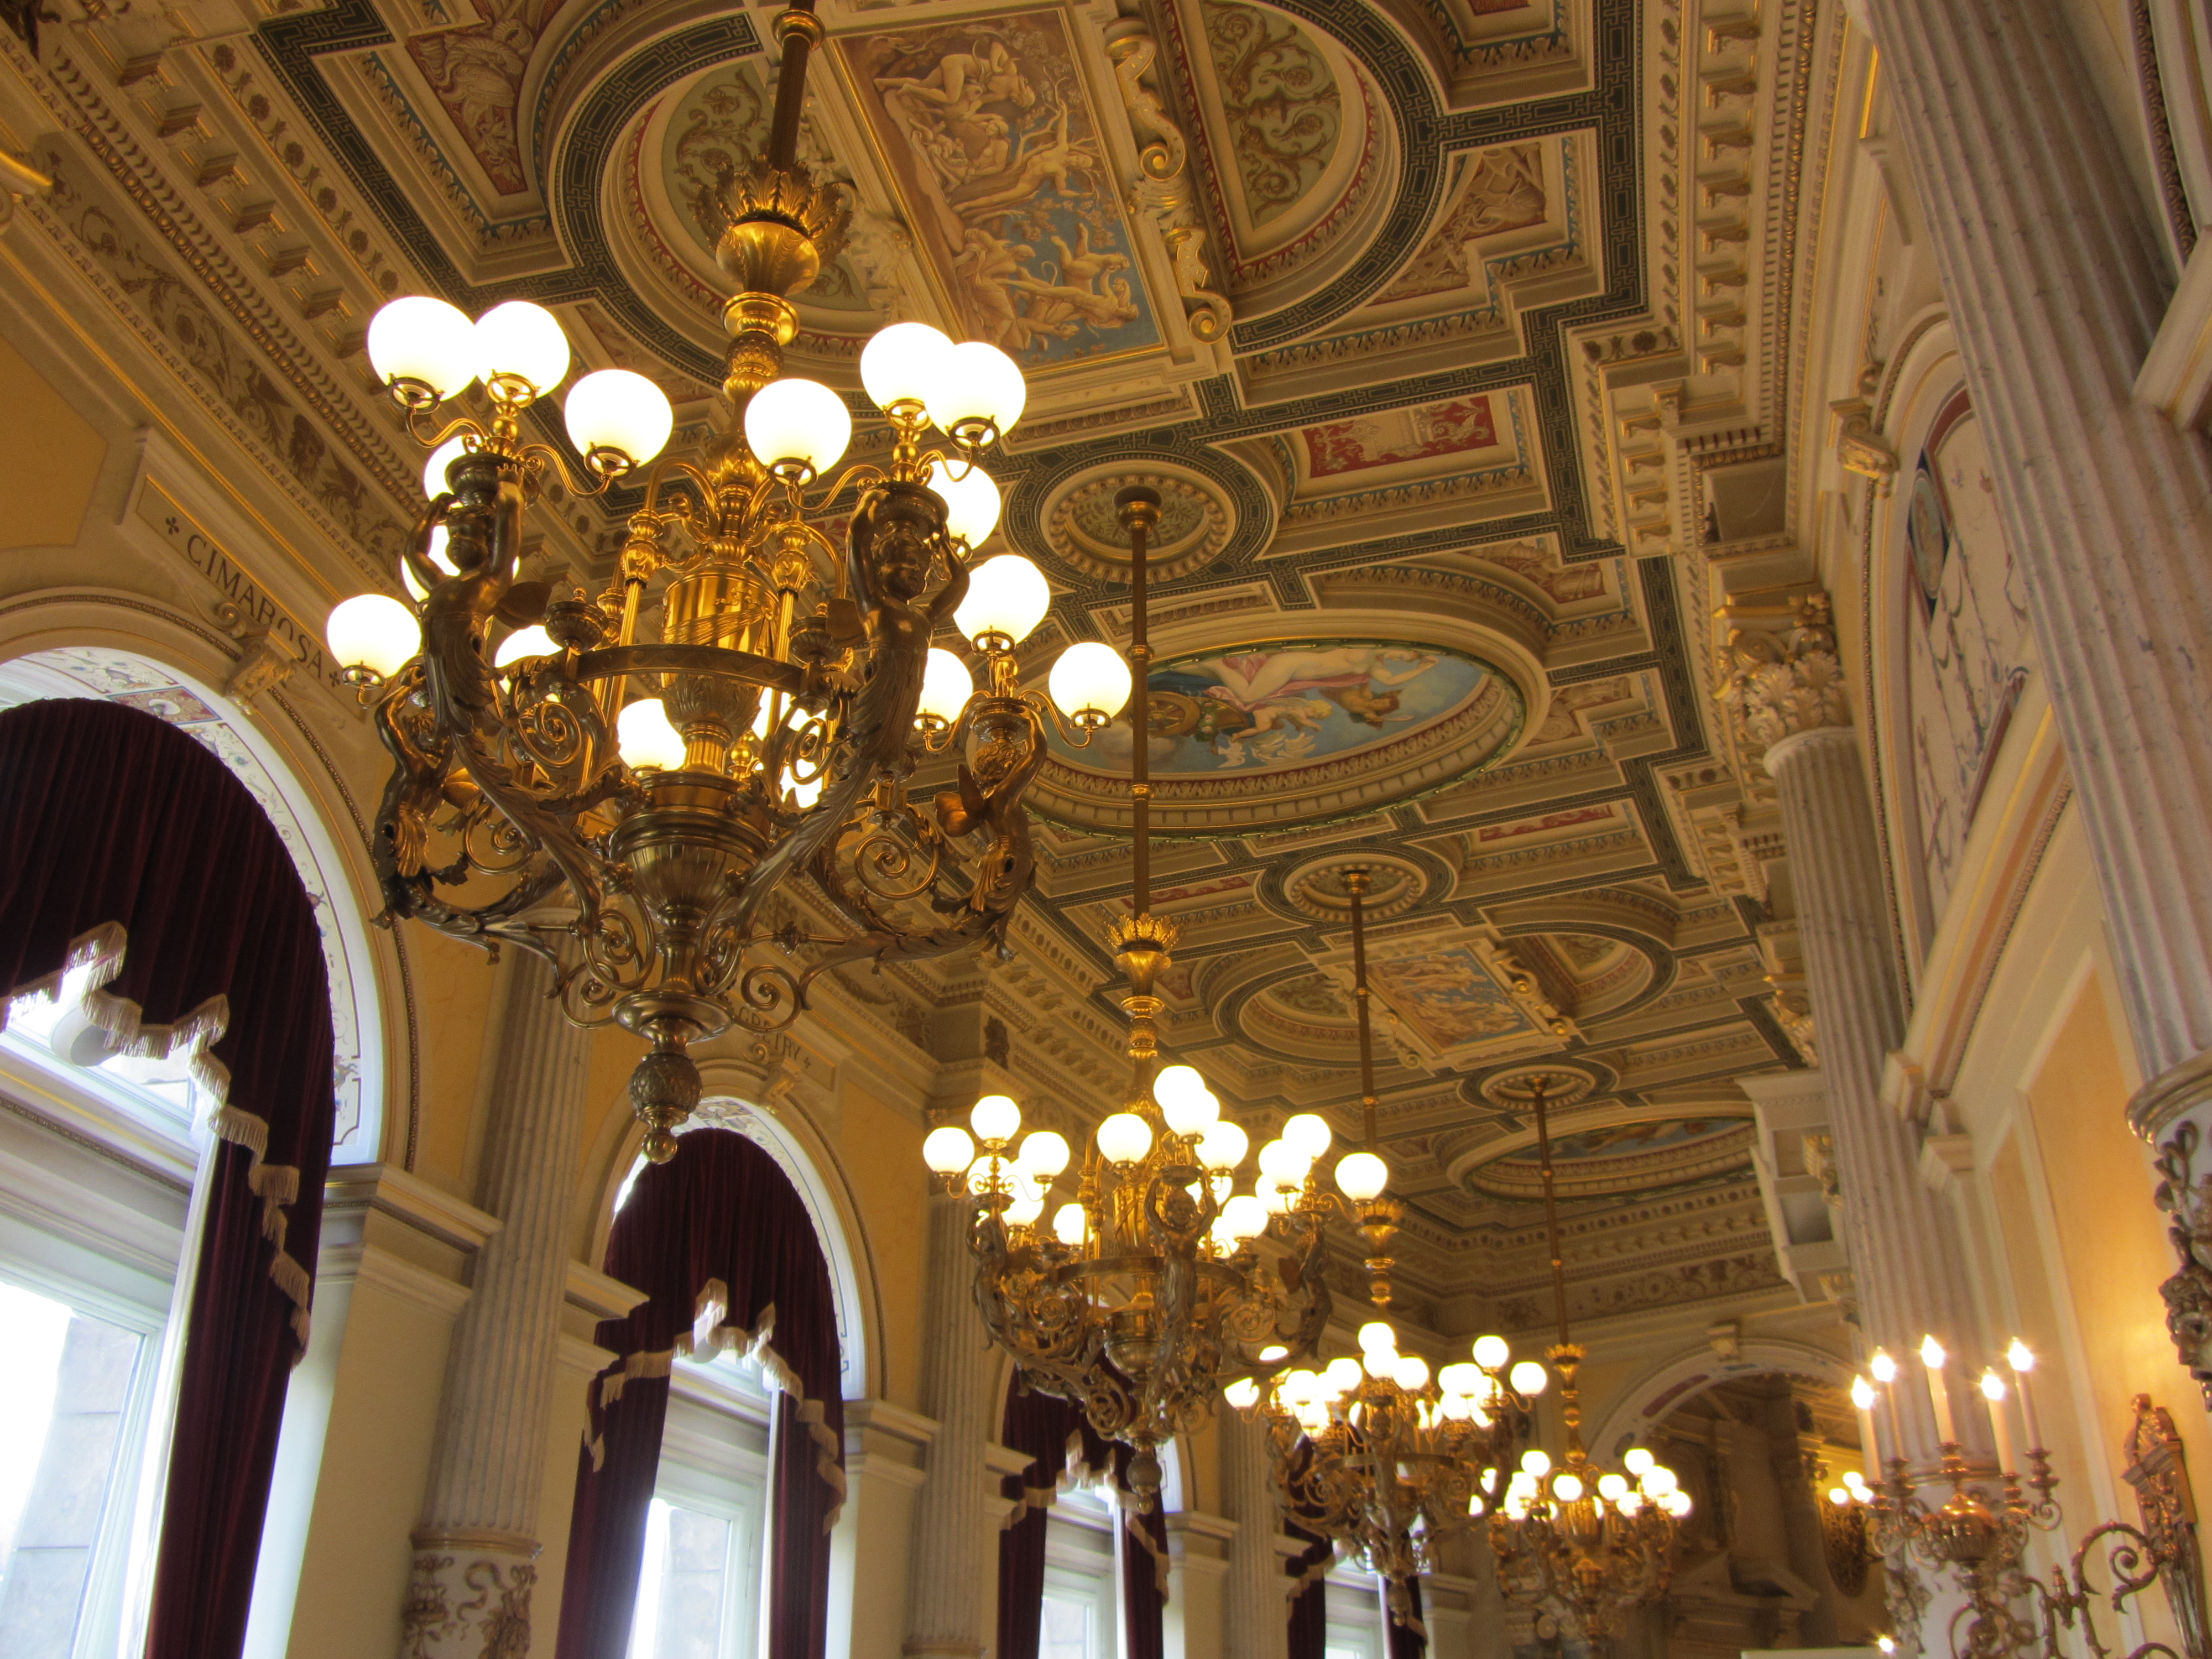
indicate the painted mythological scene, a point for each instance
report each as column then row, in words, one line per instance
column 1449, row 996
column 1278, row 706
column 1008, row 183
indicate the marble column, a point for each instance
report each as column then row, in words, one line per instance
column 949, row 1567
column 1255, row 1611
column 1787, row 695
column 479, row 1526
column 2057, row 281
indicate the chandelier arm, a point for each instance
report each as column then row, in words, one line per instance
column 611, row 661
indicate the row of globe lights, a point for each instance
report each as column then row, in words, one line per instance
column 430, row 352
column 1189, row 1110
column 1540, row 1488
column 1463, row 1389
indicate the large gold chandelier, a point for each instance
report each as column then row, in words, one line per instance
column 619, row 782
column 1569, row 1535
column 1156, row 1278
column 1381, row 1457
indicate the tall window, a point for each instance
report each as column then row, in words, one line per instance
column 1079, row 1618
column 1357, row 1621
column 72, row 1396
column 703, row 1591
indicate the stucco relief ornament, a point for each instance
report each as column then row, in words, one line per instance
column 2187, row 1202
column 1777, row 686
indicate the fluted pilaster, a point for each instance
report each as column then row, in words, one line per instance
column 1254, row 1604
column 1912, row 1278
column 945, row 1613
column 480, row 1509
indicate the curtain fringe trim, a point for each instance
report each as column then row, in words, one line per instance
column 94, row 958
column 711, row 1333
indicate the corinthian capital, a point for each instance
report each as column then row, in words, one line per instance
column 1776, row 684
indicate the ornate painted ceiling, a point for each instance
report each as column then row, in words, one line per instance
column 1458, row 336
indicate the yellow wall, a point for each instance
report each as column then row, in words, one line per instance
column 58, row 446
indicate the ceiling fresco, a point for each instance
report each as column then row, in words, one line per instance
column 1438, row 323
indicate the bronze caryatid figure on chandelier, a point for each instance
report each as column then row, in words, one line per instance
column 620, row 780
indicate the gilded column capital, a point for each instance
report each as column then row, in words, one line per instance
column 1778, row 685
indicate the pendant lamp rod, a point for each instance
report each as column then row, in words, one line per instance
column 1356, row 884
column 1551, row 1208
column 1140, row 522
column 801, row 32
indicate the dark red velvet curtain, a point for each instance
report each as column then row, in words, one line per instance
column 128, row 850
column 1144, row 1573
column 1041, row 1426
column 726, row 1254
column 1309, row 1605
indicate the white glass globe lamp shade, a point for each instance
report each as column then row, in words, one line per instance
column 798, row 428
column 948, row 1151
column 1244, row 1217
column 1639, row 1461
column 1222, row 1146
column 981, row 394
column 1278, row 1200
column 1361, row 1177
column 1124, row 1139
column 433, row 469
column 1243, row 1393
column 1535, row 1462
column 1044, row 1153
column 1024, row 1211
column 1377, row 1334
column 971, row 501
column 1567, row 1488
column 374, row 632
column 1342, row 1375
column 1411, row 1373
column 947, row 685
column 1007, row 598
column 1069, row 1224
column 621, row 417
column 1490, row 1353
column 1177, row 1085
column 995, row 1118
column 1529, row 1378
column 1192, row 1115
column 1282, row 1163
column 1610, row 1487
column 1658, row 1481
column 522, row 342
column 438, row 556
column 1380, row 1362
column 424, row 341
column 1460, row 1382
column 1089, row 684
column 1310, row 1133
column 532, row 641
column 647, row 738
column 904, row 364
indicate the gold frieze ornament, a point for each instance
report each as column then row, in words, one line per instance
column 1163, row 192
column 1154, row 1277
column 1778, row 685
column 618, row 783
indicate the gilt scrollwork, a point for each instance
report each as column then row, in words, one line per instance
column 1164, row 192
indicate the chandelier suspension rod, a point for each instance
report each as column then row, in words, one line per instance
column 1550, row 1211
column 1140, row 760
column 1355, row 882
column 798, row 30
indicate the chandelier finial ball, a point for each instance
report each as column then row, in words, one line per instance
column 374, row 631
column 1093, row 679
column 1310, row 1133
column 425, row 341
column 617, row 410
column 905, row 363
column 797, row 422
column 523, row 341
column 1362, row 1176
column 660, row 1146
column 995, row 1118
column 1490, row 1353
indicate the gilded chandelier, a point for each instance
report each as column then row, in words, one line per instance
column 618, row 783
column 1156, row 1279
column 1380, row 1457
column 1569, row 1535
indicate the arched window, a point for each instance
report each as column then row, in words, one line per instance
column 722, row 1243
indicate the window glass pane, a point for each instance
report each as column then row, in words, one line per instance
column 63, row 1392
column 1064, row 1631
column 684, row 1587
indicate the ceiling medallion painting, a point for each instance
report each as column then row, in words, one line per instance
column 1293, row 728
column 1618, row 1159
column 996, row 148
